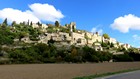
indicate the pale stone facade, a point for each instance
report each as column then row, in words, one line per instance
column 126, row 46
column 34, row 25
column 43, row 26
column 113, row 40
column 97, row 46
column 97, row 38
column 59, row 38
column 91, row 38
column 72, row 26
column 79, row 38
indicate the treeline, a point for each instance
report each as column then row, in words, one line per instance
column 131, row 54
column 42, row 53
column 17, row 31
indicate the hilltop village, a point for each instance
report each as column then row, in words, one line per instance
column 68, row 35
column 29, row 42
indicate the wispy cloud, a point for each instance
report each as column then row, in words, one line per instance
column 38, row 12
column 136, row 37
column 46, row 12
column 126, row 22
column 136, row 40
column 97, row 29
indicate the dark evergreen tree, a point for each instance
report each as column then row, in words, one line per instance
column 5, row 22
column 13, row 23
column 111, row 45
column 51, row 41
column 57, row 24
column 31, row 23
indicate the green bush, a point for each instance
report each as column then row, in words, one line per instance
column 123, row 57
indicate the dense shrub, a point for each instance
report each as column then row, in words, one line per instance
column 135, row 56
column 123, row 57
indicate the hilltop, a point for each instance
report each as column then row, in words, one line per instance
column 29, row 42
column 29, row 32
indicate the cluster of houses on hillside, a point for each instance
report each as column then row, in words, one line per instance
column 79, row 38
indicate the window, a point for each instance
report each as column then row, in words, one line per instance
column 73, row 27
column 45, row 34
column 64, row 37
column 79, row 40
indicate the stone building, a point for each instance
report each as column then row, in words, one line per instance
column 126, row 46
column 93, row 37
column 74, row 37
column 72, row 26
column 112, row 40
column 42, row 26
column 78, row 39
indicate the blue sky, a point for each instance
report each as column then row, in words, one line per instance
column 118, row 18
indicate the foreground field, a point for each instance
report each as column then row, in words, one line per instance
column 61, row 71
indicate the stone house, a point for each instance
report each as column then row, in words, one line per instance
column 98, row 46
column 78, row 39
column 113, row 40
column 126, row 46
column 43, row 26
column 93, row 37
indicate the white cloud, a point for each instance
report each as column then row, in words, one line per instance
column 136, row 37
column 97, row 29
column 127, row 22
column 38, row 12
column 100, row 31
column 93, row 30
column 46, row 12
column 17, row 15
column 136, row 40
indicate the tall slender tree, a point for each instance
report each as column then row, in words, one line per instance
column 13, row 23
column 5, row 22
column 57, row 24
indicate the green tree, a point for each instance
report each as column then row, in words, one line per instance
column 103, row 44
column 34, row 33
column 106, row 56
column 13, row 23
column 111, row 45
column 51, row 41
column 31, row 23
column 22, row 35
column 5, row 22
column 18, row 56
column 122, row 57
column 57, row 24
column 106, row 36
column 89, row 54
column 38, row 23
column 6, row 36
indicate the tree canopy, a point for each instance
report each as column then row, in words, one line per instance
column 57, row 24
column 106, row 36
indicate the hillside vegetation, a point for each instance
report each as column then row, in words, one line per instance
column 12, row 51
